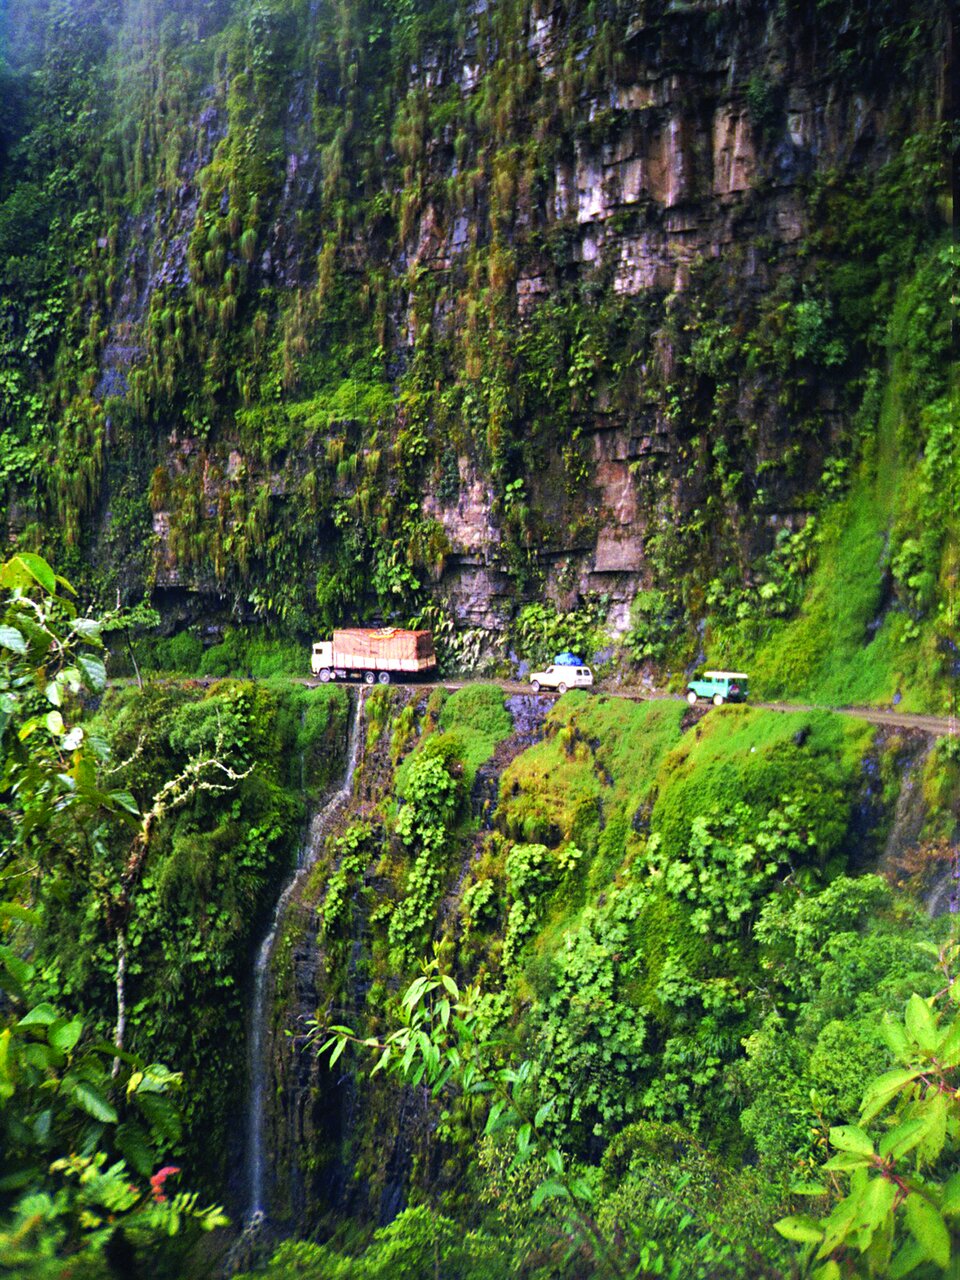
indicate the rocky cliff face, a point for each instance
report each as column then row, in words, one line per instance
column 396, row 302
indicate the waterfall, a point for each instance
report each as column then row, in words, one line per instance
column 260, row 1013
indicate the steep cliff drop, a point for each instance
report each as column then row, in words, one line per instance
column 317, row 831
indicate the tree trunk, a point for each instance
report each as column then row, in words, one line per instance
column 133, row 659
column 121, row 998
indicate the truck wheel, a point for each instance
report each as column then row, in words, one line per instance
column 561, row 687
column 718, row 699
column 325, row 675
column 692, row 698
column 369, row 677
column 535, row 686
column 384, row 677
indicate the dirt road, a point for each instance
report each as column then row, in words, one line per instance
column 936, row 726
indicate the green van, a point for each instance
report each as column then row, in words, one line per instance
column 718, row 687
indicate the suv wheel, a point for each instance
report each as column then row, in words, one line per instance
column 535, row 686
column 561, row 687
column 692, row 697
column 718, row 699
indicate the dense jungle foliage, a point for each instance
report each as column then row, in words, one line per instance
column 651, row 1008
column 615, row 326
column 648, row 1021
column 145, row 832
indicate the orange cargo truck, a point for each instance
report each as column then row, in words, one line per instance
column 357, row 653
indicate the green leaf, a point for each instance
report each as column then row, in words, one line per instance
column 124, row 800
column 896, row 1038
column 493, row 1119
column 24, row 1177
column 11, row 638
column 799, row 1227
column 848, row 1137
column 902, row 1139
column 88, row 628
column 951, row 1196
column 413, row 993
column 928, row 949
column 880, row 1091
column 19, row 971
column 920, row 1023
column 808, row 1189
column 840, row 1222
column 908, row 1259
column 43, row 1015
column 543, row 1112
column 54, row 722
column 7, row 707
column 876, row 1203
column 38, row 568
column 93, row 1102
column 24, row 569
column 928, row 1229
column 382, row 1061
column 934, row 1117
column 41, row 1055
column 14, row 911
column 948, row 1051
column 132, row 1143
column 554, row 1160
column 846, row 1161
column 64, row 1035
column 338, row 1048
column 547, row 1191
column 94, row 672
column 6, row 1066
column 582, row 1189
column 160, row 1114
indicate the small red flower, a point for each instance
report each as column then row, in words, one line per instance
column 158, row 1179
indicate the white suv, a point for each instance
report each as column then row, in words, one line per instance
column 561, row 678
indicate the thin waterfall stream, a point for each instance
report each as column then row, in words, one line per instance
column 261, row 1011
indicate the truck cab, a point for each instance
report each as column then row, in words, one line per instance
column 321, row 658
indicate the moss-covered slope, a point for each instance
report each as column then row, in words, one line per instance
column 671, row 916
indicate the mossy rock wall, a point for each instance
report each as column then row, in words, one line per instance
column 349, row 309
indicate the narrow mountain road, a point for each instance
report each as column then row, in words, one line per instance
column 936, row 726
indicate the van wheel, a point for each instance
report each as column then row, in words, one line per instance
column 692, row 698
column 324, row 675
column 561, row 687
column 718, row 699
column 369, row 678
column 535, row 686
column 384, row 677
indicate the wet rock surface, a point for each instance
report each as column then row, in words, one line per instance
column 692, row 149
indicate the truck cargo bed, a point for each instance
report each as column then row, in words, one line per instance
column 388, row 650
